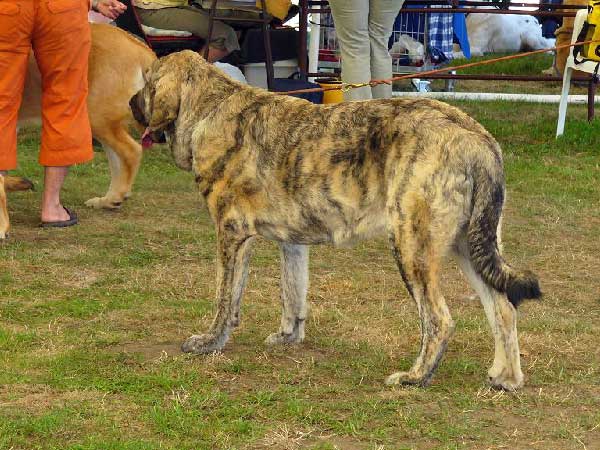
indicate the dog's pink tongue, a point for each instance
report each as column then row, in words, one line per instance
column 147, row 139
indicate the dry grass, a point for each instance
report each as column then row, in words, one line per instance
column 92, row 317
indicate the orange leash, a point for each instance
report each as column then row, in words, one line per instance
column 347, row 86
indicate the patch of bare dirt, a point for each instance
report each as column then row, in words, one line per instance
column 150, row 351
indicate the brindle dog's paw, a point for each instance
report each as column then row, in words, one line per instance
column 103, row 203
column 201, row 344
column 510, row 384
column 282, row 338
column 406, row 378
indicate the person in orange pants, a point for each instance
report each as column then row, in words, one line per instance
column 59, row 32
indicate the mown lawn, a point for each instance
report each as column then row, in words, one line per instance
column 91, row 319
column 533, row 65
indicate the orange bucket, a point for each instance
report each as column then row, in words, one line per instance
column 335, row 96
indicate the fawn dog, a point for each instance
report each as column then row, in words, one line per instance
column 117, row 61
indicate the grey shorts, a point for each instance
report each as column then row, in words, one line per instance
column 194, row 20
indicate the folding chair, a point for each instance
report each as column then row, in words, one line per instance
column 161, row 45
column 570, row 65
column 263, row 19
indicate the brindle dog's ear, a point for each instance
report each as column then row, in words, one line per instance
column 165, row 103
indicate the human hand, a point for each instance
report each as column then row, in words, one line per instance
column 110, row 8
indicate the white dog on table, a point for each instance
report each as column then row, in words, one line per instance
column 504, row 33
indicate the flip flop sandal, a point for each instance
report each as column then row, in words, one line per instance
column 62, row 223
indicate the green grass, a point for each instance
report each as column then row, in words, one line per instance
column 533, row 65
column 528, row 65
column 91, row 319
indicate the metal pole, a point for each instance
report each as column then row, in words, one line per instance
column 313, row 43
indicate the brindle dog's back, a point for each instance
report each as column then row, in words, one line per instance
column 336, row 166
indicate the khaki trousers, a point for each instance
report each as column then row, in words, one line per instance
column 363, row 28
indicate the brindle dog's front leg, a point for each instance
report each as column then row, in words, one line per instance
column 294, row 286
column 233, row 250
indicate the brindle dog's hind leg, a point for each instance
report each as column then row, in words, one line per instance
column 294, row 286
column 418, row 252
column 505, row 372
column 232, row 254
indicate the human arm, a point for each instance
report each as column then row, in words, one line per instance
column 108, row 8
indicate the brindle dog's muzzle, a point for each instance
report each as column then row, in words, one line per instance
column 149, row 137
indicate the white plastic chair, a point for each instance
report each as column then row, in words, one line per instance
column 586, row 66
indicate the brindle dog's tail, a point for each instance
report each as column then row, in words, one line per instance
column 482, row 235
column 12, row 184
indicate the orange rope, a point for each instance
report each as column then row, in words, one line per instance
column 347, row 86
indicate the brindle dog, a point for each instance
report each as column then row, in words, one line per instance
column 300, row 174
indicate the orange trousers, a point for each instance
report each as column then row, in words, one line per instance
column 59, row 33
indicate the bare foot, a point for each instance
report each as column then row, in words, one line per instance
column 54, row 213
